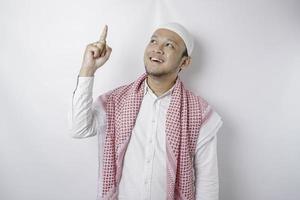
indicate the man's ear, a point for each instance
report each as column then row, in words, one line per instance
column 186, row 62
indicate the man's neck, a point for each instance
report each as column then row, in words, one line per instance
column 160, row 85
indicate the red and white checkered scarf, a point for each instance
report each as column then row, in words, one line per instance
column 185, row 115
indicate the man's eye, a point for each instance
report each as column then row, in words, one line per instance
column 170, row 45
column 152, row 41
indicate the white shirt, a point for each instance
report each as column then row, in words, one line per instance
column 144, row 168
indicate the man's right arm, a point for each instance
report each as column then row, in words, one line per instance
column 85, row 117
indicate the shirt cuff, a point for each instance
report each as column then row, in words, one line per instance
column 84, row 84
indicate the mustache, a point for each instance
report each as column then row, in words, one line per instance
column 153, row 55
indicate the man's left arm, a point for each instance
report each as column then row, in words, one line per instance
column 205, row 161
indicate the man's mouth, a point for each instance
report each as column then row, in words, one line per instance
column 156, row 60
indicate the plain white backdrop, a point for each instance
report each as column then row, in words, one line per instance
column 246, row 63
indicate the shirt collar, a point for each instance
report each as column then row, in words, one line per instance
column 148, row 89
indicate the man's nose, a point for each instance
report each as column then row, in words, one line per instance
column 158, row 49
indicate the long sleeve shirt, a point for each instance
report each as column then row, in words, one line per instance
column 144, row 167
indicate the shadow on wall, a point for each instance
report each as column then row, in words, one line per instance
column 226, row 155
column 192, row 74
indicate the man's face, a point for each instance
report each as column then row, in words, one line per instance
column 163, row 54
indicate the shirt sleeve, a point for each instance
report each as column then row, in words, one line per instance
column 86, row 118
column 206, row 162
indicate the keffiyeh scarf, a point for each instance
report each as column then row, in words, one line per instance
column 185, row 115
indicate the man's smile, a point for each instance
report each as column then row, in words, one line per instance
column 156, row 60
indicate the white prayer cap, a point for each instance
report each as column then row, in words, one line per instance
column 182, row 32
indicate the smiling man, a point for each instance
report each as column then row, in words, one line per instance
column 157, row 139
column 165, row 56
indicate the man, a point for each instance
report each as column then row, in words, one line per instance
column 157, row 140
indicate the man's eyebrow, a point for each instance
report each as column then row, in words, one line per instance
column 169, row 40
column 172, row 41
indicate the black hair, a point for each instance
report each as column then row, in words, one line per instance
column 185, row 53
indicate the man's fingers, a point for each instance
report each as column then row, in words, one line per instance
column 107, row 52
column 103, row 35
column 103, row 50
column 95, row 50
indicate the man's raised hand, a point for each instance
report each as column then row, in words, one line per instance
column 95, row 55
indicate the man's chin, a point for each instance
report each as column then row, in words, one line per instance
column 155, row 74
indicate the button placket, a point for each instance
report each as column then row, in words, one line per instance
column 149, row 154
column 150, row 157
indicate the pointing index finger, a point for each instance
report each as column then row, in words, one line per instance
column 103, row 34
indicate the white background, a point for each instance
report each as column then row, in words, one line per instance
column 245, row 63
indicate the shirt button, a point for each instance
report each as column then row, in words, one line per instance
column 146, row 182
column 148, row 161
column 153, row 120
column 150, row 141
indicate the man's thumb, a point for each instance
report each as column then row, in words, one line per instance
column 108, row 52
